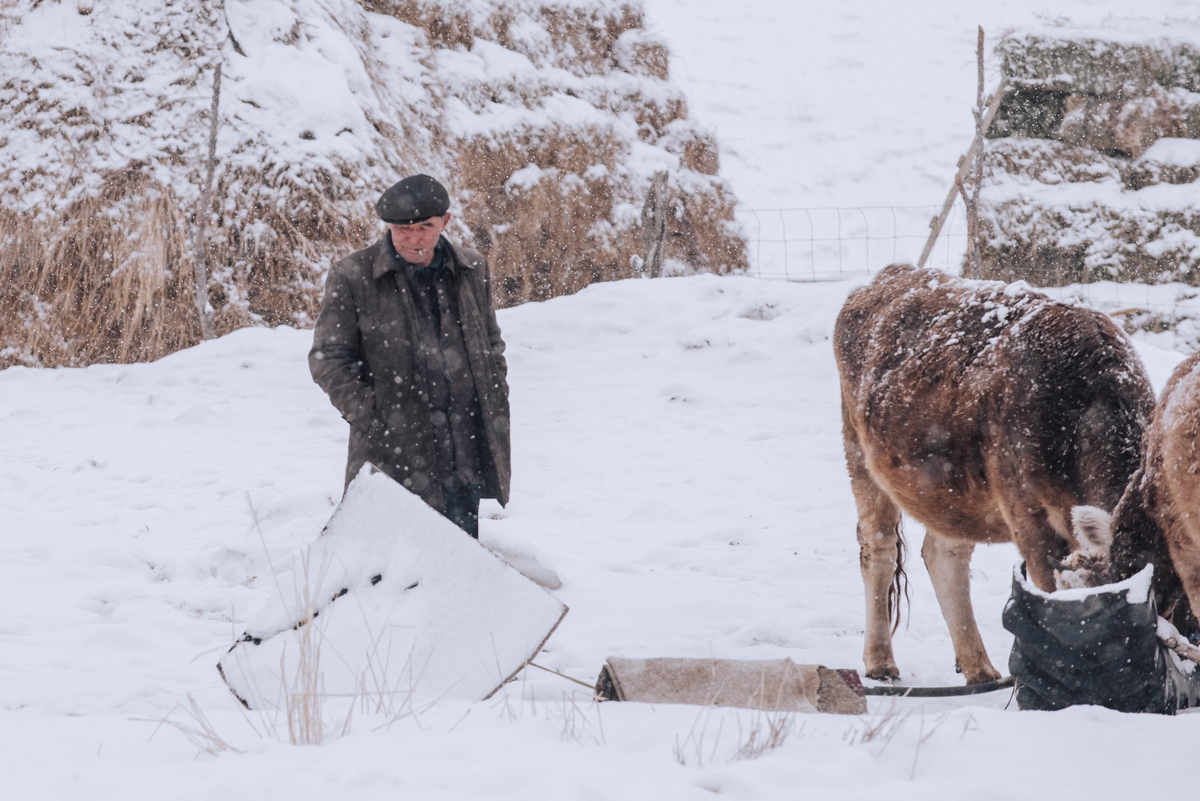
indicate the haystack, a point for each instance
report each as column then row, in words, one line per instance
column 1092, row 163
column 547, row 120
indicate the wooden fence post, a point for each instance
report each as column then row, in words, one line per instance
column 964, row 166
column 654, row 224
column 200, row 258
column 970, row 187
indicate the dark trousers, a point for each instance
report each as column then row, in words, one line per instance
column 462, row 506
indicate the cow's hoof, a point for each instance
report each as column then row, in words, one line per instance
column 888, row 673
column 983, row 675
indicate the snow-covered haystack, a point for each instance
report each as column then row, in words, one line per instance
column 547, row 120
column 1094, row 155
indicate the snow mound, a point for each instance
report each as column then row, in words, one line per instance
column 391, row 601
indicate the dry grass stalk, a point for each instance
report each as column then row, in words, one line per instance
column 690, row 751
column 306, row 692
column 767, row 731
column 199, row 731
column 110, row 279
column 576, row 725
column 923, row 737
column 302, row 700
column 97, row 283
column 880, row 727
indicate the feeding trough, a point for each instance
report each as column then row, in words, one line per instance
column 1102, row 646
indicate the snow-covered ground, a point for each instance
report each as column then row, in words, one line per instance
column 677, row 461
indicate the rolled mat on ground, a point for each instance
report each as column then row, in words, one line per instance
column 778, row 684
column 394, row 600
column 1095, row 646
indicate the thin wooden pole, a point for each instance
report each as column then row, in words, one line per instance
column 654, row 224
column 974, row 251
column 964, row 165
column 200, row 260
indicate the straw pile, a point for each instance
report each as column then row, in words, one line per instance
column 1093, row 158
column 547, row 120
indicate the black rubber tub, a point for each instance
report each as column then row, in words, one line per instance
column 1096, row 646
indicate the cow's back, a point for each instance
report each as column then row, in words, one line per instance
column 957, row 389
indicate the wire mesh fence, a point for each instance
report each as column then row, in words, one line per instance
column 828, row 243
column 835, row 243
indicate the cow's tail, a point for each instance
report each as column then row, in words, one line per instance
column 899, row 587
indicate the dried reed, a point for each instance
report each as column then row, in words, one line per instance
column 766, row 732
column 305, row 692
column 110, row 278
column 97, row 283
column 198, row 730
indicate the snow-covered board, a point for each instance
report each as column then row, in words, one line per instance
column 392, row 599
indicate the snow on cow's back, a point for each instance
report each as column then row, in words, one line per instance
column 918, row 337
column 908, row 311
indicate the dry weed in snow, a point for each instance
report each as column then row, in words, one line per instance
column 765, row 731
column 197, row 728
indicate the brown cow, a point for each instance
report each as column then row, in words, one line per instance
column 986, row 412
column 1158, row 518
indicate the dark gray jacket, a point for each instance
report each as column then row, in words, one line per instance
column 363, row 356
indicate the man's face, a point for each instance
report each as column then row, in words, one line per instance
column 415, row 242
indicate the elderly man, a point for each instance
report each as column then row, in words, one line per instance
column 409, row 351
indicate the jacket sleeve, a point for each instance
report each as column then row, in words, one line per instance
column 493, row 327
column 336, row 361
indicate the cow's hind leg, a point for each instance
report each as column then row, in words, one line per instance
column 879, row 547
column 949, row 564
column 879, row 556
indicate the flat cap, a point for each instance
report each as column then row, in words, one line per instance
column 416, row 198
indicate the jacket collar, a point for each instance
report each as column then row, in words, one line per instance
column 386, row 259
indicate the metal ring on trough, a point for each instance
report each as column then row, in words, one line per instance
column 941, row 692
